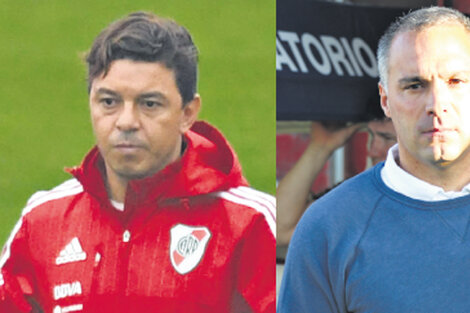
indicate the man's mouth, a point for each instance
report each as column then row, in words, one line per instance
column 126, row 146
column 439, row 131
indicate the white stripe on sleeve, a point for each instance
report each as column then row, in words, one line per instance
column 68, row 188
column 257, row 200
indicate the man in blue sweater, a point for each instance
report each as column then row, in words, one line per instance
column 395, row 238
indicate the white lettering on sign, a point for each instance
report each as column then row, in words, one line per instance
column 346, row 57
column 67, row 290
column 292, row 39
column 323, row 66
column 282, row 57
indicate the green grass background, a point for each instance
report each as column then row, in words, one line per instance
column 44, row 119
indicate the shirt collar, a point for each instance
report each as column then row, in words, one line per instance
column 117, row 205
column 403, row 182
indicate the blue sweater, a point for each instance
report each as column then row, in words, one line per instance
column 365, row 248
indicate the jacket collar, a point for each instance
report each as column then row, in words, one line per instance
column 208, row 165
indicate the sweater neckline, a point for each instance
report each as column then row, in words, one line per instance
column 403, row 182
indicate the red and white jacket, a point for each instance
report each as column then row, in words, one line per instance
column 192, row 238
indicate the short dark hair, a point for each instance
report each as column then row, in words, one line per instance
column 415, row 21
column 143, row 36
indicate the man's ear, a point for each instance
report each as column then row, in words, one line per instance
column 190, row 113
column 384, row 100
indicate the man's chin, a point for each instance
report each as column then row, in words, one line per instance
column 443, row 156
column 133, row 173
column 137, row 168
column 375, row 161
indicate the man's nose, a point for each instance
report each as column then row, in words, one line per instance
column 128, row 119
column 438, row 100
column 373, row 150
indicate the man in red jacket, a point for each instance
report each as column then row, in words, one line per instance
column 158, row 217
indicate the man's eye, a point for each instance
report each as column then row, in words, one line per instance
column 455, row 81
column 413, row 86
column 108, row 102
column 389, row 138
column 150, row 104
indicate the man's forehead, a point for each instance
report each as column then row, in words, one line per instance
column 130, row 72
column 435, row 45
column 449, row 30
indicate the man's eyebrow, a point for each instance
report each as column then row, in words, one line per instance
column 386, row 135
column 460, row 73
column 153, row 94
column 107, row 91
column 407, row 80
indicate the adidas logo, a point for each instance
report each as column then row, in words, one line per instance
column 71, row 253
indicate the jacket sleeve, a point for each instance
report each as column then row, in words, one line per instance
column 15, row 276
column 257, row 273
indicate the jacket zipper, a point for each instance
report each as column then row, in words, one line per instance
column 123, row 265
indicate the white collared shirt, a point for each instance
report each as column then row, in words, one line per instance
column 403, row 182
column 117, row 205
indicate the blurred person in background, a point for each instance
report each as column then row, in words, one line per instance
column 294, row 189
